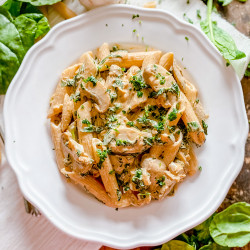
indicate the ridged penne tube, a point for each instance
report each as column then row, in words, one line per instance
column 158, row 77
column 170, row 151
column 67, row 112
column 83, row 120
column 57, row 99
column 103, row 51
column 56, row 137
column 91, row 185
column 193, row 162
column 192, row 123
column 124, row 59
column 187, row 87
column 105, row 167
column 167, row 60
column 151, row 59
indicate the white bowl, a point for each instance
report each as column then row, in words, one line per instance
column 29, row 146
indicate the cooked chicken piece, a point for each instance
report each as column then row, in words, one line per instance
column 140, row 179
column 74, row 154
column 97, row 92
column 129, row 140
column 158, row 77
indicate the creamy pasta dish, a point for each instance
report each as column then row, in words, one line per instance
column 124, row 124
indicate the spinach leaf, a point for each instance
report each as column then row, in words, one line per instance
column 202, row 231
column 176, row 245
column 9, row 64
column 14, row 7
column 40, row 2
column 247, row 72
column 18, row 34
column 231, row 227
column 213, row 246
column 221, row 39
column 10, row 37
column 224, row 2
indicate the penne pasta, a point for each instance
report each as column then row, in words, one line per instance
column 123, row 123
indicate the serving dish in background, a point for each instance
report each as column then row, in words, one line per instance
column 30, row 151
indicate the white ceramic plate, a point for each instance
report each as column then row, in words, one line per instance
column 29, row 146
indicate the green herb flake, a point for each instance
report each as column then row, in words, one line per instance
column 102, row 156
column 205, row 126
column 161, row 181
column 135, row 16
column 186, row 38
column 193, row 126
column 173, row 115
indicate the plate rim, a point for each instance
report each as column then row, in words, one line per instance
column 34, row 51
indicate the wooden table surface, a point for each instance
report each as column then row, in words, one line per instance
column 239, row 15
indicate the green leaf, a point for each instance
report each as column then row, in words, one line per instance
column 231, row 227
column 17, row 36
column 14, row 7
column 9, row 64
column 10, row 37
column 222, row 40
column 40, row 2
column 213, row 246
column 202, row 231
column 224, row 2
column 247, row 72
column 176, row 245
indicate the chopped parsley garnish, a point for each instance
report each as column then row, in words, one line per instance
column 198, row 14
column 139, row 94
column 187, row 18
column 173, row 115
column 87, row 122
column 134, row 30
column 68, row 83
column 186, row 38
column 119, row 194
column 205, row 126
column 138, row 82
column 76, row 97
column 109, row 56
column 124, row 112
column 78, row 153
column 174, row 89
column 91, row 79
column 161, row 181
column 130, row 124
column 193, row 126
column 149, row 140
column 197, row 100
column 112, row 171
column 160, row 126
column 200, row 168
column 118, row 83
column 122, row 142
column 137, row 179
column 144, row 195
column 155, row 94
column 135, row 16
column 102, row 155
